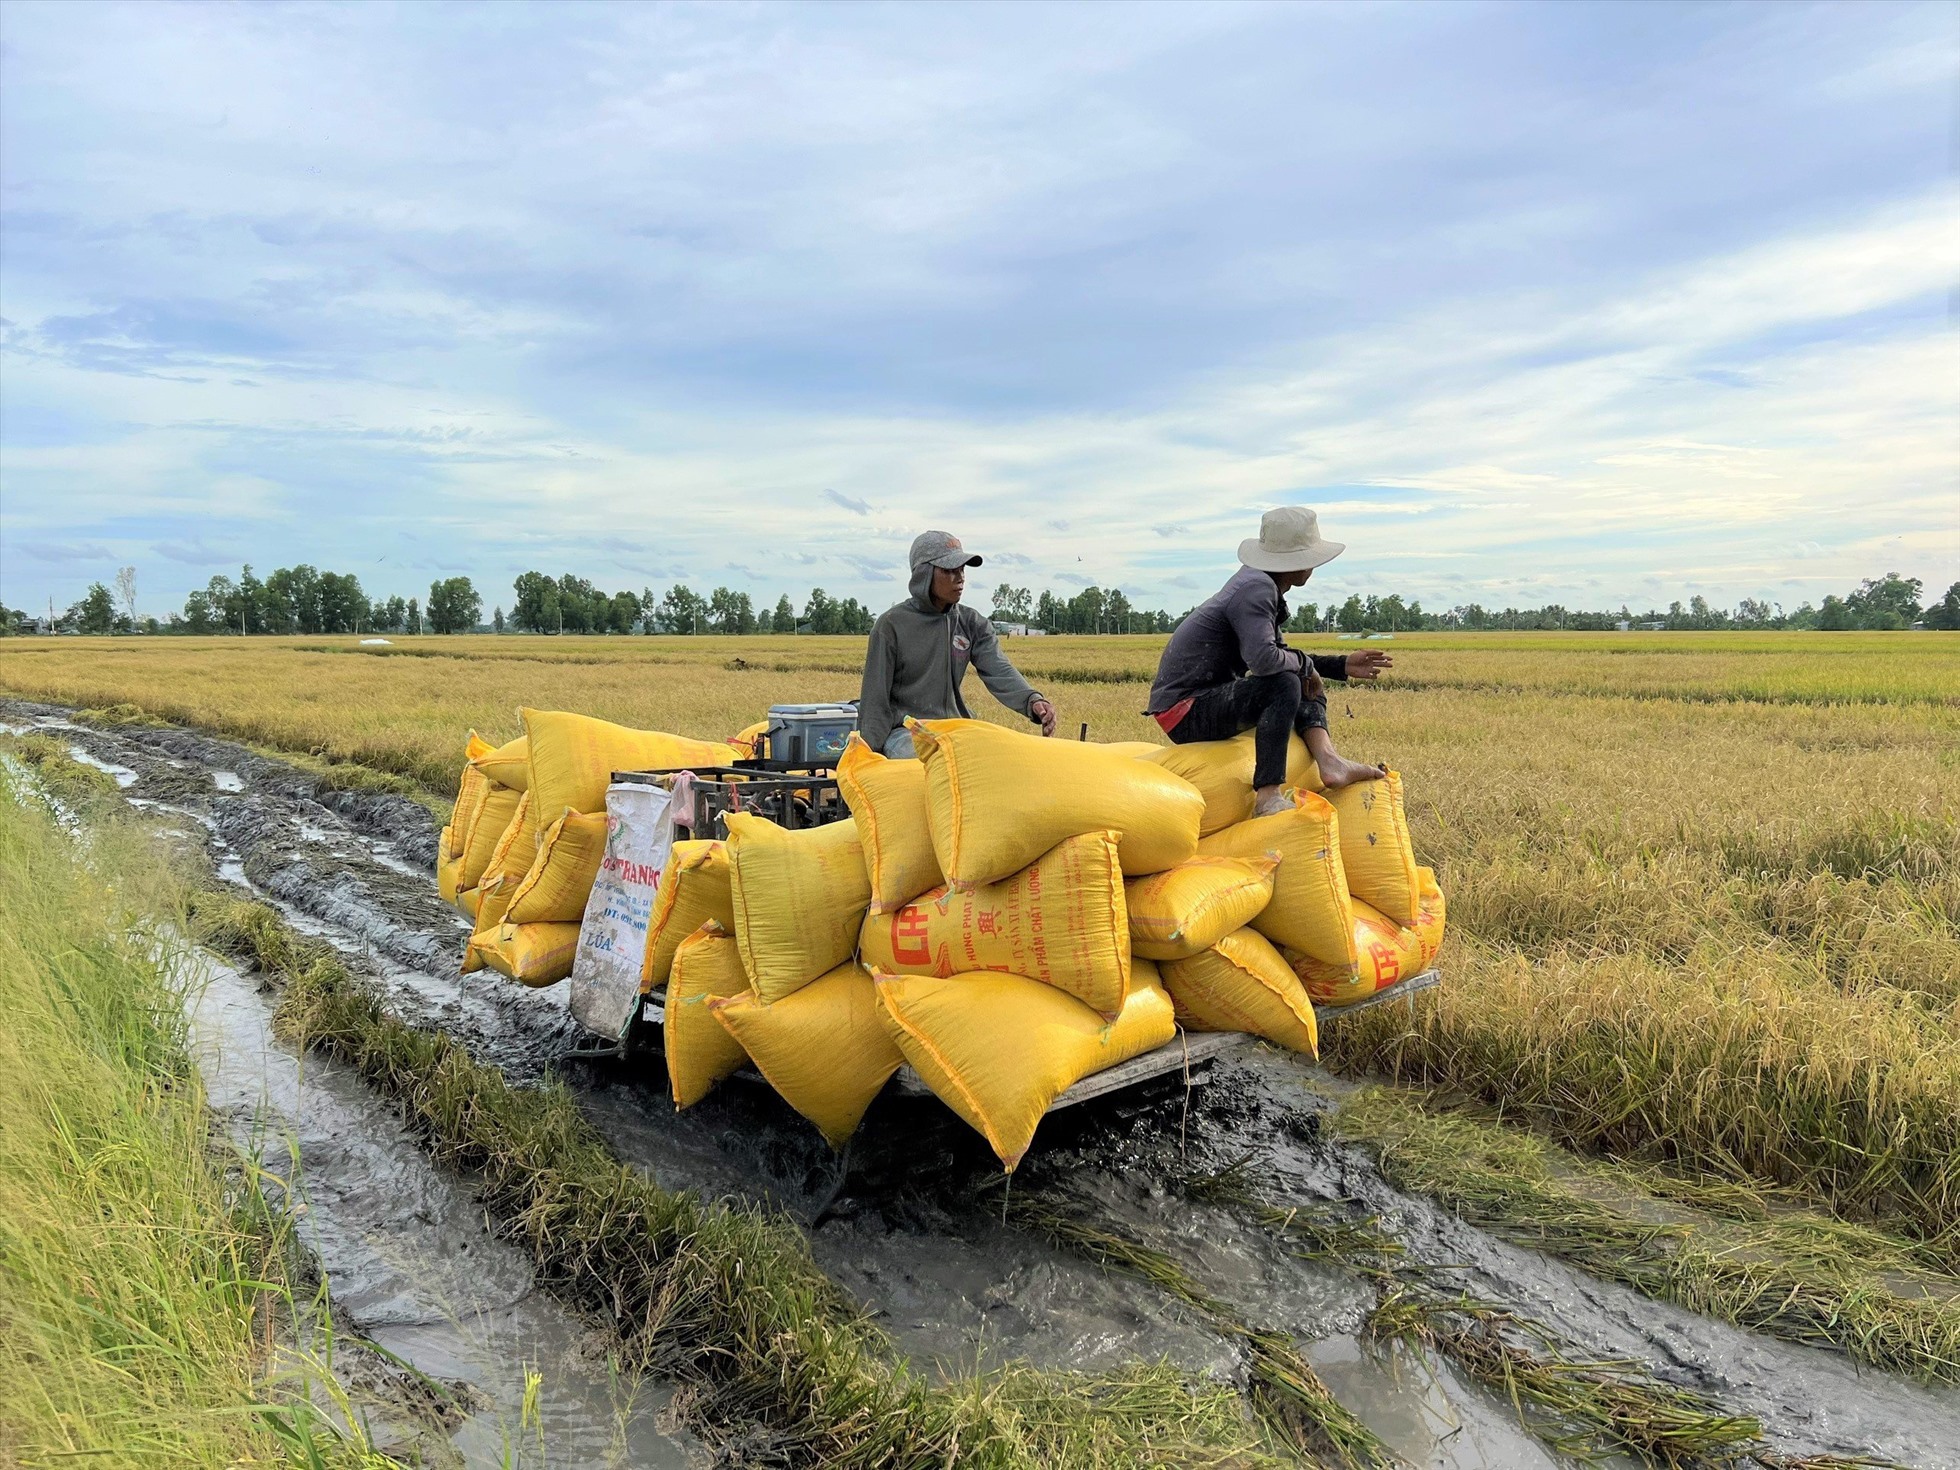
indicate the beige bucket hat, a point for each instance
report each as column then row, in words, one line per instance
column 1289, row 540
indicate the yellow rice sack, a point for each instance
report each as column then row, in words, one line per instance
column 824, row 1049
column 492, row 820
column 700, row 1050
column 1243, row 984
column 1185, row 910
column 1135, row 749
column 449, row 866
column 573, row 756
column 888, row 800
column 1310, row 909
column 998, row 1049
column 1222, row 772
column 1429, row 918
column 561, row 876
column 693, row 889
column 469, row 901
column 747, row 744
column 800, row 898
column 509, row 765
column 1060, row 920
column 516, row 850
column 1375, row 848
column 1384, row 953
column 471, row 787
column 536, row 954
column 1000, row 799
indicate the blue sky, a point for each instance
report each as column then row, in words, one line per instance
column 1585, row 303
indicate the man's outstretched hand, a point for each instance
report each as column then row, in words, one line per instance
column 1043, row 711
column 1368, row 663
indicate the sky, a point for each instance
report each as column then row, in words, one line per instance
column 1576, row 303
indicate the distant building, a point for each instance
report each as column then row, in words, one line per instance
column 1624, row 625
column 1016, row 630
column 1659, row 627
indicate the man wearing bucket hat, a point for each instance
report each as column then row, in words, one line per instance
column 920, row 651
column 1227, row 668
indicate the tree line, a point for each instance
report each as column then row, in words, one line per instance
column 303, row 599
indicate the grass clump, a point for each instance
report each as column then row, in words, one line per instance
column 79, row 788
column 1579, row 1407
column 1791, row 1273
column 1297, row 1406
column 119, row 716
column 723, row 1298
column 146, row 1316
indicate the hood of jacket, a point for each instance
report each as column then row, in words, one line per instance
column 920, row 588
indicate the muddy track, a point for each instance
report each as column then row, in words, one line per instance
column 918, row 1236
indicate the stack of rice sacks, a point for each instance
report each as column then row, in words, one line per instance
column 524, row 845
column 1006, row 914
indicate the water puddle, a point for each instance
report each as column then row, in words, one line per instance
column 413, row 1266
column 227, row 781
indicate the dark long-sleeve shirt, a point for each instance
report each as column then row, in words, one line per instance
column 918, row 657
column 1234, row 632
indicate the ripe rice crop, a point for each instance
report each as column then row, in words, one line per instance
column 1704, row 888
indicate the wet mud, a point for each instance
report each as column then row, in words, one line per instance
column 415, row 1270
column 917, row 1230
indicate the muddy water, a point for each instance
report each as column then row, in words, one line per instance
column 414, row 1269
column 917, row 1235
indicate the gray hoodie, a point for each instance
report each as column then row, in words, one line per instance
column 918, row 658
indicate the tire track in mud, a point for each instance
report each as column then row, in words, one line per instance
column 916, row 1236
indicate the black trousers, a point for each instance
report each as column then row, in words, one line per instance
column 1276, row 705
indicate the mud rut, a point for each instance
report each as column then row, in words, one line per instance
column 917, row 1233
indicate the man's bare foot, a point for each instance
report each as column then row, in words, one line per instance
column 1337, row 771
column 1266, row 800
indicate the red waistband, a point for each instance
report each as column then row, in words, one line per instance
column 1170, row 718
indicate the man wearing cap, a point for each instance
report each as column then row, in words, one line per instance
column 1227, row 668
column 920, row 651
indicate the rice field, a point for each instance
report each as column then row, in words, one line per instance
column 1704, row 888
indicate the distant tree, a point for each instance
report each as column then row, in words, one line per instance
column 96, row 612
column 1354, row 617
column 413, row 622
column 622, row 612
column 1890, row 601
column 1305, row 619
column 1048, row 611
column 497, row 620
column 784, row 618
column 536, row 608
column 730, row 612
column 1013, row 604
column 126, row 591
column 454, row 606
column 1116, row 611
column 682, row 610
column 343, row 606
column 1946, row 612
column 820, row 612
column 12, row 621
column 649, row 610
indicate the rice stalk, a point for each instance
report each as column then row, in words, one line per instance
column 1796, row 1275
column 1290, row 1396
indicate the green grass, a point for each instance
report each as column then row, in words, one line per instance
column 722, row 1298
column 147, row 1316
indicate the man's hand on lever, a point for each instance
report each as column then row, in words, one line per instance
column 1367, row 663
column 1043, row 711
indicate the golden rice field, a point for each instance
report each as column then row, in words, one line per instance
column 1704, row 888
